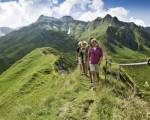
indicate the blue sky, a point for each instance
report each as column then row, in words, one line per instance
column 138, row 8
column 16, row 13
column 136, row 4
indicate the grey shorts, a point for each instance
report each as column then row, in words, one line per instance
column 94, row 67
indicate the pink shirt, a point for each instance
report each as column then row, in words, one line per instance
column 95, row 54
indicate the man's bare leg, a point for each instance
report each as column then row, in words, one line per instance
column 98, row 77
column 91, row 76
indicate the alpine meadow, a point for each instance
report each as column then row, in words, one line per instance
column 40, row 78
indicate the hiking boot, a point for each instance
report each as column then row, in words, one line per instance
column 92, row 85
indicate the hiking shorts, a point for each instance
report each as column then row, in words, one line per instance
column 94, row 67
column 79, row 60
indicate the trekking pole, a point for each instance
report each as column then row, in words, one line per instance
column 106, row 70
column 148, row 62
column 110, row 67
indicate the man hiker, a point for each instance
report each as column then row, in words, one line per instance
column 87, row 62
column 81, row 56
column 95, row 55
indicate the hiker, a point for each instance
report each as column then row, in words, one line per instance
column 84, row 63
column 81, row 56
column 95, row 55
column 87, row 62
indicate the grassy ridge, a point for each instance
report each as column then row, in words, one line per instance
column 32, row 89
column 19, row 43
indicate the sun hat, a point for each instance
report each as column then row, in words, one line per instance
column 93, row 40
column 80, row 43
column 84, row 43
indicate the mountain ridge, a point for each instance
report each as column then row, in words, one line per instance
column 110, row 32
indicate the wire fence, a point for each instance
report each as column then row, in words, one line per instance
column 109, row 63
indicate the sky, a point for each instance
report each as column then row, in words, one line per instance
column 17, row 13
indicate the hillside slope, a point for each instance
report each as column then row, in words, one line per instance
column 18, row 43
column 33, row 89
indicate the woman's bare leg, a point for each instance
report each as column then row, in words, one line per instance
column 86, row 69
column 81, row 68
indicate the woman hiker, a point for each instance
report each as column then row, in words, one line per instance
column 95, row 55
column 81, row 56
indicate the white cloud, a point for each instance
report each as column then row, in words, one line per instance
column 99, row 11
column 66, row 7
column 16, row 14
column 95, row 10
column 120, row 12
column 137, row 21
column 55, row 1
column 88, row 16
column 97, row 5
column 13, row 14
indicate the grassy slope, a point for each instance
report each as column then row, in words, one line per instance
column 126, row 55
column 28, row 91
column 141, row 76
column 17, row 44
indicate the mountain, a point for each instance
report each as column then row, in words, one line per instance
column 18, row 43
column 5, row 30
column 147, row 29
column 115, row 36
column 32, row 88
column 65, row 24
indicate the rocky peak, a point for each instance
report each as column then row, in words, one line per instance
column 46, row 18
column 107, row 17
column 66, row 19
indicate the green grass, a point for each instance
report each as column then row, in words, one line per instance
column 140, row 74
column 126, row 55
column 96, row 32
column 29, row 92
